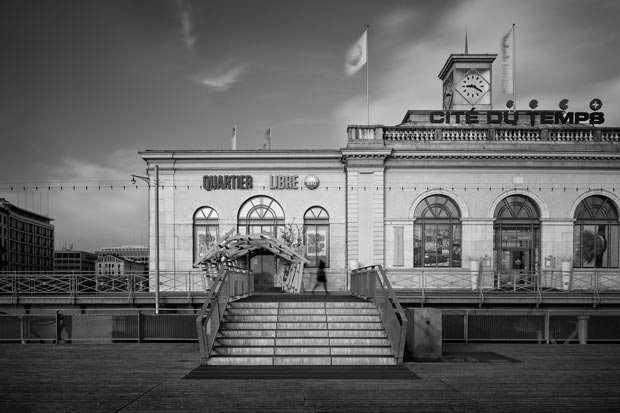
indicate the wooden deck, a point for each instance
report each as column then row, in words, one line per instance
column 150, row 377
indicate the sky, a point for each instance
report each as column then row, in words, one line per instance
column 86, row 84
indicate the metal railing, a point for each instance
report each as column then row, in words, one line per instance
column 98, row 325
column 15, row 283
column 536, row 326
column 230, row 282
column 371, row 282
column 537, row 283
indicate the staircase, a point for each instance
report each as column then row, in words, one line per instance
column 300, row 329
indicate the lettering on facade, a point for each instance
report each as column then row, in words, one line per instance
column 284, row 182
column 211, row 182
column 514, row 117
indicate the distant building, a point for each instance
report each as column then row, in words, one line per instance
column 136, row 253
column 114, row 265
column 26, row 240
column 71, row 261
column 114, row 273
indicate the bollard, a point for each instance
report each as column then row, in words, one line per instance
column 424, row 333
column 474, row 269
column 583, row 328
column 566, row 269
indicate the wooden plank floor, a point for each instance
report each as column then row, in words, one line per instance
column 149, row 377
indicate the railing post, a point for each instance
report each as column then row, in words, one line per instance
column 57, row 322
column 139, row 314
column 582, row 322
column 466, row 326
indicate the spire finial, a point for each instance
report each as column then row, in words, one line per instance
column 466, row 48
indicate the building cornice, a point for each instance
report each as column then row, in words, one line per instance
column 241, row 155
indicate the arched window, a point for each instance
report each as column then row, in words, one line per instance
column 260, row 214
column 437, row 233
column 517, row 235
column 595, row 238
column 316, row 228
column 206, row 230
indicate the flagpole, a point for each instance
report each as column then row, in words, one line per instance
column 514, row 67
column 367, row 93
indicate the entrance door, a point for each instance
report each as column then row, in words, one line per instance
column 516, row 267
column 264, row 269
column 516, row 245
column 517, row 240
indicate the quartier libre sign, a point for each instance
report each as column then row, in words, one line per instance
column 513, row 117
column 213, row 182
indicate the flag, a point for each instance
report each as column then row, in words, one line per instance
column 357, row 55
column 508, row 62
column 267, row 144
column 233, row 144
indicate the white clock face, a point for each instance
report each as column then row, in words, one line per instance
column 472, row 87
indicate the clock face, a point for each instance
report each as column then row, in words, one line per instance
column 472, row 87
column 447, row 93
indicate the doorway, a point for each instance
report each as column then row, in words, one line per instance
column 516, row 245
column 264, row 267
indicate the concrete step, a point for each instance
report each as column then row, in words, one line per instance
column 248, row 326
column 349, row 318
column 300, row 341
column 301, row 304
column 302, row 361
column 252, row 311
column 375, row 333
column 237, row 304
column 353, row 311
column 302, row 311
column 299, row 318
column 223, row 333
column 301, row 333
column 301, row 351
column 355, row 326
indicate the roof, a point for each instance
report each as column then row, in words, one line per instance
column 233, row 247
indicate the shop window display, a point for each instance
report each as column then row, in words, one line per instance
column 437, row 233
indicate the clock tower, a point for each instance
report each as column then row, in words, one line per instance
column 467, row 81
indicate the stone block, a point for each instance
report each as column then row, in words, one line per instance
column 424, row 333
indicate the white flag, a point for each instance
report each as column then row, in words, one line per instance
column 233, row 144
column 357, row 55
column 267, row 144
column 508, row 61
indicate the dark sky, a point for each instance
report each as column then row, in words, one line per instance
column 86, row 84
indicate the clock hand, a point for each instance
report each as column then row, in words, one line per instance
column 474, row 87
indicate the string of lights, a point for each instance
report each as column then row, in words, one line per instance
column 325, row 186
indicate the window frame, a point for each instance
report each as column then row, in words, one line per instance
column 600, row 213
column 316, row 220
column 433, row 212
column 205, row 218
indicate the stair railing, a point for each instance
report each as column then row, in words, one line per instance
column 230, row 282
column 371, row 282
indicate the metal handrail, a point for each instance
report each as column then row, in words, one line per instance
column 230, row 282
column 72, row 284
column 364, row 283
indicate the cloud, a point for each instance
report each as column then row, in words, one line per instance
column 186, row 18
column 223, row 81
